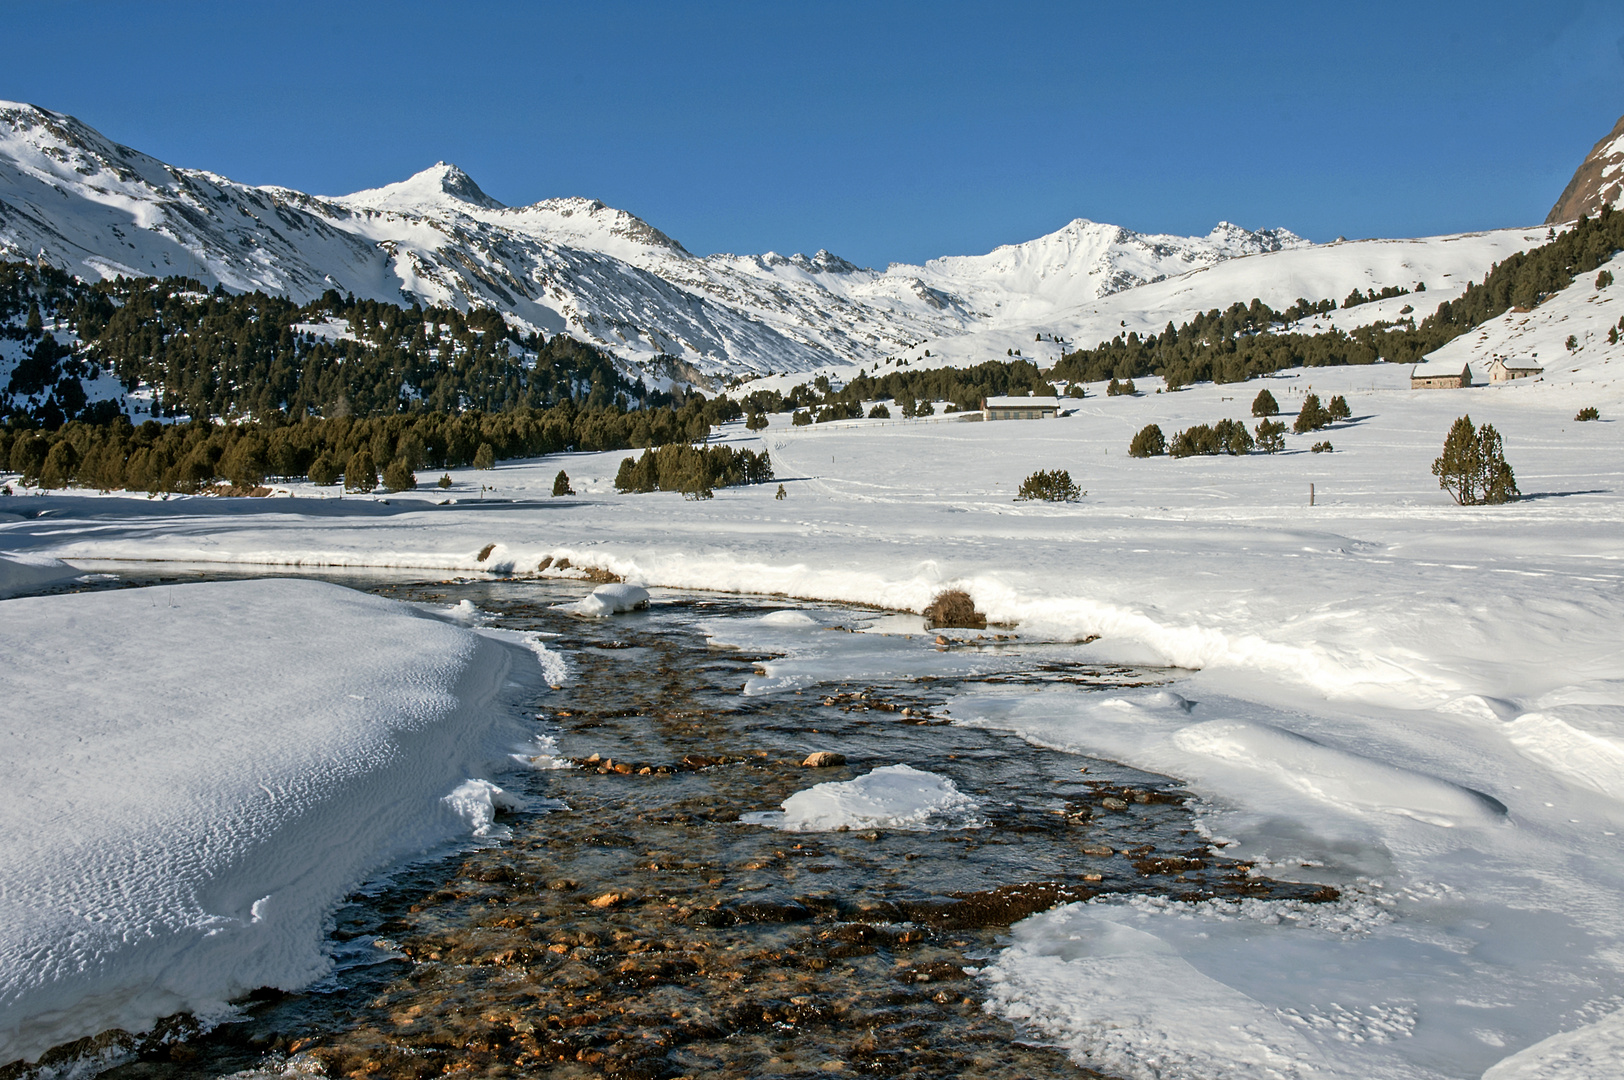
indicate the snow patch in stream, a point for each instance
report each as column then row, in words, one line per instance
column 891, row 797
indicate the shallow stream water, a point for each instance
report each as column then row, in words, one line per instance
column 633, row 926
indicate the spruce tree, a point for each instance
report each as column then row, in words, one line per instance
column 1265, row 405
column 561, row 484
column 485, row 456
column 398, row 476
column 36, row 325
column 1271, row 436
column 324, row 470
column 1338, row 409
column 1312, row 416
column 1148, row 443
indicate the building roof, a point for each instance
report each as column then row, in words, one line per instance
column 1517, row 365
column 1011, row 402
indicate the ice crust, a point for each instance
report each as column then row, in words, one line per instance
column 614, row 599
column 890, row 797
column 192, row 777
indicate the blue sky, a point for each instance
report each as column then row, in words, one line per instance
column 881, row 131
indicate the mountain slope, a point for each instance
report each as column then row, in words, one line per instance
column 98, row 209
column 1598, row 182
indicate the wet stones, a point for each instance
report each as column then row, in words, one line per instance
column 823, row 759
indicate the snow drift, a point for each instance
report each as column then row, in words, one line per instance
column 194, row 776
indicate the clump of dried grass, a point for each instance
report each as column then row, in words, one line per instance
column 954, row 608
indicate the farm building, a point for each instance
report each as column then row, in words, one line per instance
column 1019, row 408
column 1422, row 379
column 1503, row 370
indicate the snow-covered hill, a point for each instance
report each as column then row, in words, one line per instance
column 96, row 208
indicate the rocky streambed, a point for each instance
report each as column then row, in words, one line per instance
column 634, row 927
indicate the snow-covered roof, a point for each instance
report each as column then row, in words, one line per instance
column 1011, row 402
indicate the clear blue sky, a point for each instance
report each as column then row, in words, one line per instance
column 881, row 131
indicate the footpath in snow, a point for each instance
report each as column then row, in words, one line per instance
column 193, row 777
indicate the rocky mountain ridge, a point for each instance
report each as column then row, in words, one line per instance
column 1598, row 181
column 96, row 208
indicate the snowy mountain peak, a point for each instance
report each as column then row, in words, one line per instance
column 426, row 191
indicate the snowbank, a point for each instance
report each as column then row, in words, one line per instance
column 612, row 600
column 892, row 797
column 194, row 776
column 22, row 573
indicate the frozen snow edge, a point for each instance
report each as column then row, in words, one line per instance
column 230, row 760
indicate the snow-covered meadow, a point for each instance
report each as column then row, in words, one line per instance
column 1420, row 703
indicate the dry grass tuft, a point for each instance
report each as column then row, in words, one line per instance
column 485, row 552
column 954, row 608
column 600, row 576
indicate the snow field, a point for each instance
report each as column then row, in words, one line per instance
column 193, row 777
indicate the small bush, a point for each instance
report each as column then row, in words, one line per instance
column 801, row 418
column 1320, row 448
column 954, row 608
column 1587, row 413
column 756, row 421
column 1572, row 343
column 1076, row 390
column 1150, row 442
column 1265, row 405
column 1271, row 436
column 925, row 408
column 1120, row 389
column 561, row 484
column 781, row 492
column 1050, row 487
column 1224, row 437
column 1312, row 416
column 444, row 481
column 1338, row 409
column 879, row 412
column 1604, row 279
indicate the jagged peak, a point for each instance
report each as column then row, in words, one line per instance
column 432, row 187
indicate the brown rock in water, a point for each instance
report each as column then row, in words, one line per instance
column 608, row 900
column 824, row 759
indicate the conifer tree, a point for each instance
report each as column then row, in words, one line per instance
column 1149, row 442
column 1271, row 436
column 1473, row 467
column 485, row 456
column 36, row 325
column 1312, row 416
column 398, row 476
column 361, row 472
column 561, row 484
column 1265, row 405
column 1338, row 409
column 324, row 470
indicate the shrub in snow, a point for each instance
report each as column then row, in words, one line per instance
column 801, row 418
column 1076, row 390
column 445, row 480
column 1224, row 437
column 1265, row 405
column 361, row 474
column 1320, row 448
column 398, row 476
column 1604, row 279
column 879, row 412
column 1338, row 409
column 1588, row 413
column 1119, row 389
column 561, row 484
column 925, row 408
column 1312, row 416
column 756, row 421
column 1149, row 442
column 1473, row 467
column 1572, row 343
column 954, row 608
column 1053, row 486
column 780, row 494
column 1271, row 436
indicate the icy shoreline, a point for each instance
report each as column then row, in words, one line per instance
column 195, row 775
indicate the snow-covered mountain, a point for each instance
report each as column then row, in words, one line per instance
column 96, row 208
column 1597, row 182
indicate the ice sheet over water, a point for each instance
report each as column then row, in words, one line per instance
column 890, row 797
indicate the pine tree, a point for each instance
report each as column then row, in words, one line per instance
column 361, row 473
column 561, row 484
column 1265, row 405
column 1148, row 443
column 36, row 325
column 444, row 481
column 398, row 476
column 1271, row 436
column 1312, row 416
column 324, row 470
column 756, row 421
column 485, row 456
column 1473, row 467
column 1339, row 408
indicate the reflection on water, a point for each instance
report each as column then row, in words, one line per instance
column 645, row 931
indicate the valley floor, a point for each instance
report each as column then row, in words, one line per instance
column 1419, row 703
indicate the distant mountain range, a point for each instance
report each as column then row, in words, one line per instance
column 97, row 209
